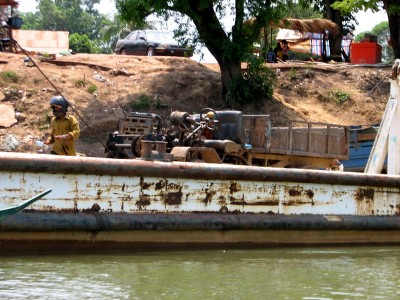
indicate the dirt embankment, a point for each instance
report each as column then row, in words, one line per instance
column 101, row 87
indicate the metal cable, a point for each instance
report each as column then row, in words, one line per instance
column 58, row 91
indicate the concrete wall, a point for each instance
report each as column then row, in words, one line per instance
column 51, row 42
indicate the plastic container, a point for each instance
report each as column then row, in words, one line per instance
column 15, row 22
column 365, row 53
column 41, row 145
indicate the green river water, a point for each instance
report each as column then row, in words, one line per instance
column 278, row 273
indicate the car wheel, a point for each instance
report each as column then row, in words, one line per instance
column 150, row 51
column 122, row 52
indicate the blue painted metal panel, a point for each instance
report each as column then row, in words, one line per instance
column 359, row 151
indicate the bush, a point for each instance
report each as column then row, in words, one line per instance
column 253, row 86
column 340, row 96
column 141, row 103
column 336, row 95
column 92, row 88
column 10, row 76
column 80, row 43
column 80, row 83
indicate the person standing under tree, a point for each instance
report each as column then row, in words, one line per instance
column 64, row 128
column 278, row 51
column 271, row 56
column 285, row 50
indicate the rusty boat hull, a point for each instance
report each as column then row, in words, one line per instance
column 99, row 203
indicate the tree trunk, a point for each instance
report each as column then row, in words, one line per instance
column 229, row 70
column 394, row 27
column 335, row 41
column 217, row 42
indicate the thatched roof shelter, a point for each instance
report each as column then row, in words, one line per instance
column 12, row 3
column 308, row 25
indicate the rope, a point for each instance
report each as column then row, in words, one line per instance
column 59, row 92
column 384, row 77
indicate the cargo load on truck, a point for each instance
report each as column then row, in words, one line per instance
column 228, row 136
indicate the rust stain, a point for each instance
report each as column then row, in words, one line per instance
column 159, row 185
column 339, row 194
column 397, row 211
column 297, row 192
column 95, row 208
column 365, row 194
column 143, row 184
column 142, row 202
column 266, row 202
column 300, row 197
column 235, row 201
column 221, row 200
column 310, row 194
column 294, row 193
column 274, row 191
column 209, row 195
column 233, row 188
column 174, row 198
column 296, row 202
column 164, row 184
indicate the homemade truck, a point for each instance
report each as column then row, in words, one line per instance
column 228, row 137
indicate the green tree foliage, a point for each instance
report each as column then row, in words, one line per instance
column 256, row 83
column 74, row 16
column 344, row 20
column 392, row 8
column 229, row 46
column 80, row 43
column 119, row 28
column 383, row 34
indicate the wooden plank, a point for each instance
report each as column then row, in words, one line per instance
column 380, row 147
column 290, row 140
column 394, row 137
column 328, row 144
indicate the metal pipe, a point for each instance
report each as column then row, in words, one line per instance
column 36, row 163
column 57, row 222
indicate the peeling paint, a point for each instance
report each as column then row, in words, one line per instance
column 364, row 194
column 173, row 198
column 209, row 195
column 234, row 188
column 189, row 187
column 294, row 192
column 310, row 194
column 143, row 202
column 144, row 185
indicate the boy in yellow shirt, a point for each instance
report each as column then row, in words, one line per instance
column 64, row 128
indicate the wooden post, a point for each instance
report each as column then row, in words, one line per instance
column 387, row 141
column 394, row 133
column 290, row 140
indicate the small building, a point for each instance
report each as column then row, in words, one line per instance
column 8, row 23
column 39, row 41
column 311, row 35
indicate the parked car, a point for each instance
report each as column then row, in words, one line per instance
column 151, row 42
